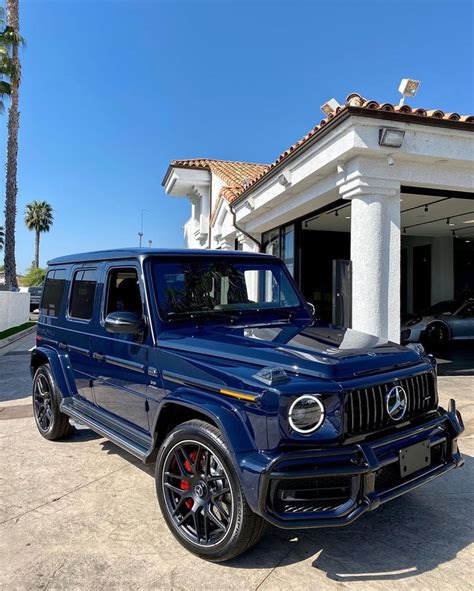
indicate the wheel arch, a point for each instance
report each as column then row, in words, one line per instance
column 43, row 355
column 444, row 324
column 173, row 411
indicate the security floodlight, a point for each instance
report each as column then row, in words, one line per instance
column 330, row 106
column 284, row 179
column 391, row 137
column 408, row 88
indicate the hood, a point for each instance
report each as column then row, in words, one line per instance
column 320, row 350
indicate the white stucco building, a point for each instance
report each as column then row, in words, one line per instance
column 388, row 188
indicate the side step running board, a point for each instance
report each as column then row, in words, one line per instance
column 125, row 443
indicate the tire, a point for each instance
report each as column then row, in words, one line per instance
column 208, row 521
column 50, row 421
column 436, row 336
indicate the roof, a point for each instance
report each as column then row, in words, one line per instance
column 242, row 176
column 134, row 253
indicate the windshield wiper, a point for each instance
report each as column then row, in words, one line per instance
column 200, row 314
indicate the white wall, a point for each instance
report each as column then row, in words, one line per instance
column 14, row 309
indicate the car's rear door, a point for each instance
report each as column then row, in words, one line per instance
column 76, row 337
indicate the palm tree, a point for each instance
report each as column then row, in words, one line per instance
column 38, row 217
column 6, row 66
column 11, row 36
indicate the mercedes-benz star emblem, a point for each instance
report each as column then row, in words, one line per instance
column 397, row 403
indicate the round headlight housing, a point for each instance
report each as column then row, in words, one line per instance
column 306, row 414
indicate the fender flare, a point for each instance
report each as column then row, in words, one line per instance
column 220, row 411
column 56, row 361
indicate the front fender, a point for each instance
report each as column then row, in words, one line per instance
column 228, row 416
column 58, row 362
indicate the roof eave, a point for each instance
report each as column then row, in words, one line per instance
column 342, row 116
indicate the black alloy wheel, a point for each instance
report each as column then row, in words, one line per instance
column 197, row 493
column 200, row 494
column 51, row 422
column 436, row 335
column 43, row 403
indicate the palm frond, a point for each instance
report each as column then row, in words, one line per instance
column 39, row 216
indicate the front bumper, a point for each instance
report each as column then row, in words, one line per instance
column 344, row 482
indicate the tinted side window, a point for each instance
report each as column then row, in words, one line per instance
column 53, row 292
column 123, row 292
column 81, row 304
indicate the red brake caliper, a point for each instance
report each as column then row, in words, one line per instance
column 185, row 485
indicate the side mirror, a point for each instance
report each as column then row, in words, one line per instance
column 123, row 322
column 312, row 307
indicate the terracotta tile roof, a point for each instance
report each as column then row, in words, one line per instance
column 236, row 175
column 241, row 176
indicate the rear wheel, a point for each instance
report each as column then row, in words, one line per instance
column 51, row 422
column 200, row 495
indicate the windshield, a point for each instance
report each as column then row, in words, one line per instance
column 444, row 307
column 218, row 286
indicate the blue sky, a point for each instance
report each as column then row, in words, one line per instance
column 113, row 90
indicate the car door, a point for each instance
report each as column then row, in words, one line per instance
column 120, row 360
column 463, row 325
column 76, row 337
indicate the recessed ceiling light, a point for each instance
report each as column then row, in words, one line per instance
column 348, row 217
column 467, row 241
column 469, row 222
column 451, row 224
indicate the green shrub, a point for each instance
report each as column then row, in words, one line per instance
column 34, row 276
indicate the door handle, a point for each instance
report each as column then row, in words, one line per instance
column 98, row 356
column 63, row 346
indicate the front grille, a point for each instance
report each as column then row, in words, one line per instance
column 310, row 494
column 365, row 409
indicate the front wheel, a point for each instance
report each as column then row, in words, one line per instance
column 200, row 494
column 436, row 336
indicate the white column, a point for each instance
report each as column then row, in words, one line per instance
column 375, row 255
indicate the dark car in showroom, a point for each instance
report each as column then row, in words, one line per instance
column 211, row 365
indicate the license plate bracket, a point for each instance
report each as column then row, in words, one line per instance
column 414, row 458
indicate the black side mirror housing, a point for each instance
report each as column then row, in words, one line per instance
column 124, row 322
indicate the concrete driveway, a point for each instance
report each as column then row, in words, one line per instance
column 82, row 514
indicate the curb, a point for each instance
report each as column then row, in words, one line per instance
column 16, row 337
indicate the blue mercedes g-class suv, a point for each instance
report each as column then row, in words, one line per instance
column 211, row 365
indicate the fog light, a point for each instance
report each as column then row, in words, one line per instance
column 306, row 414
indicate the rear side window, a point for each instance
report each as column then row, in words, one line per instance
column 81, row 304
column 53, row 292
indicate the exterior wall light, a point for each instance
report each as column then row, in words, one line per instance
column 330, row 107
column 391, row 137
column 250, row 203
column 284, row 180
column 408, row 88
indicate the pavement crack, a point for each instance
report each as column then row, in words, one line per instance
column 51, row 578
column 16, row 518
column 284, row 557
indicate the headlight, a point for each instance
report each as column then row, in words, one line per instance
column 414, row 321
column 306, row 414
